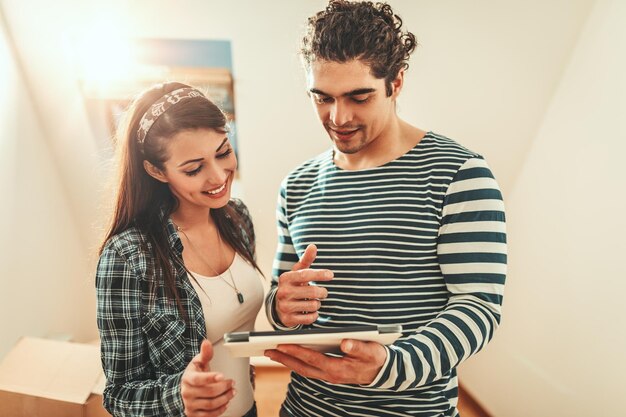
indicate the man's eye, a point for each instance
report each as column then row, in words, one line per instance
column 360, row 99
column 323, row 99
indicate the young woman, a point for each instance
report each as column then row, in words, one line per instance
column 177, row 269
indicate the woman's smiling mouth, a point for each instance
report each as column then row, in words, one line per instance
column 217, row 190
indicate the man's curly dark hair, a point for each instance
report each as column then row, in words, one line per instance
column 367, row 31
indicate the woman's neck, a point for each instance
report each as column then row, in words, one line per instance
column 187, row 219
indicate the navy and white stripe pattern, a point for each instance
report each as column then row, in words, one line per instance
column 419, row 241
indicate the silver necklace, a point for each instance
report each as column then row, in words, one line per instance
column 219, row 238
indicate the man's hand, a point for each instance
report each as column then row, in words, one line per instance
column 360, row 365
column 297, row 301
column 205, row 393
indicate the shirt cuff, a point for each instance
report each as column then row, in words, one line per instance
column 172, row 400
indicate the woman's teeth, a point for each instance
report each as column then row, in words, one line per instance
column 217, row 190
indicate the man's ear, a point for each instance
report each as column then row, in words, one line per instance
column 396, row 84
column 154, row 172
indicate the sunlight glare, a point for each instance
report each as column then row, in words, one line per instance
column 105, row 58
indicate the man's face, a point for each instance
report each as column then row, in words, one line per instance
column 351, row 103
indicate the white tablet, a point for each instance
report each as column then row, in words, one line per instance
column 245, row 344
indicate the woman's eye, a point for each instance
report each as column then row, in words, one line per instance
column 194, row 172
column 225, row 154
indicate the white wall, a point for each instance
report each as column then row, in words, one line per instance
column 561, row 349
column 45, row 288
column 498, row 76
column 484, row 73
column 40, row 32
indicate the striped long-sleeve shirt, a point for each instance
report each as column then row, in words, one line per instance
column 419, row 241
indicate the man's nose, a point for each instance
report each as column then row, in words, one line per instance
column 340, row 114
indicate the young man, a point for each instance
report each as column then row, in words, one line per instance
column 408, row 228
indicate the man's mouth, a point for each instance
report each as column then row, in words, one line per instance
column 344, row 133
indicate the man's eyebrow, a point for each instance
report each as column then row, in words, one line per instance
column 318, row 92
column 357, row 92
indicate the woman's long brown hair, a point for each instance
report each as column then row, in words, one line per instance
column 146, row 203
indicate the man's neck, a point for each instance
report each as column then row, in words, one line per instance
column 392, row 144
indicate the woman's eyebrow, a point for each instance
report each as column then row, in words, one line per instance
column 221, row 144
column 202, row 159
column 190, row 161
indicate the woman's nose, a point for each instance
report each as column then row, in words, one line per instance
column 216, row 175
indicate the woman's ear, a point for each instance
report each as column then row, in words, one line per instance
column 154, row 172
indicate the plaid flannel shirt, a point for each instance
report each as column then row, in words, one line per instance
column 145, row 343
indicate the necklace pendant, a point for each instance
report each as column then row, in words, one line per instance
column 240, row 297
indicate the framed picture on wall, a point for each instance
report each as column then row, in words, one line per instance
column 205, row 64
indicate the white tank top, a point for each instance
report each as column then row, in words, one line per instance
column 223, row 314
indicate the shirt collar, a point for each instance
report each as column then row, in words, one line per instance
column 172, row 234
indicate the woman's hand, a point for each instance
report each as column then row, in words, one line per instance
column 205, row 393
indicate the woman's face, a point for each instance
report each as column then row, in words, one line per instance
column 200, row 168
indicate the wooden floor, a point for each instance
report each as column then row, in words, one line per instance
column 271, row 386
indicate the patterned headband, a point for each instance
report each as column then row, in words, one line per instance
column 161, row 106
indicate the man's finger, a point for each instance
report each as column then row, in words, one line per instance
column 304, row 276
column 352, row 347
column 299, row 307
column 295, row 364
column 301, row 292
column 306, row 318
column 307, row 258
column 363, row 351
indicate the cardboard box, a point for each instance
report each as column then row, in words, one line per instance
column 49, row 378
